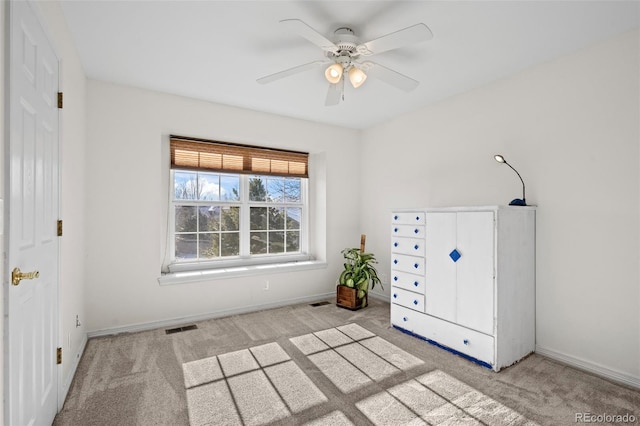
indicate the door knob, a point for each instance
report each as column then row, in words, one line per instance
column 17, row 276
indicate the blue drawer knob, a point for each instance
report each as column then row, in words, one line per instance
column 465, row 341
column 416, row 247
column 395, row 296
column 415, row 302
column 405, row 319
column 395, row 244
column 395, row 261
column 415, row 231
column 395, row 278
column 395, row 229
column 395, row 217
column 417, row 217
column 415, row 283
column 415, row 265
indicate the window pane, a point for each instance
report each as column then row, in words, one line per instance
column 185, row 185
column 209, row 245
column 186, row 219
column 208, row 186
column 276, row 242
column 258, row 218
column 293, row 241
column 230, row 220
column 276, row 189
column 257, row 189
column 230, row 244
column 229, row 188
column 292, row 190
column 293, row 217
column 209, row 218
column 258, row 242
column 186, row 246
column 276, row 218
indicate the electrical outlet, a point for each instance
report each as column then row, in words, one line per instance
column 78, row 324
column 266, row 285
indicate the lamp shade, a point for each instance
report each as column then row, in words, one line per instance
column 356, row 77
column 333, row 73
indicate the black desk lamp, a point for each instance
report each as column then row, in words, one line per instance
column 516, row 202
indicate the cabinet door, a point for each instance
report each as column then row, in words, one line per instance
column 440, row 270
column 475, row 289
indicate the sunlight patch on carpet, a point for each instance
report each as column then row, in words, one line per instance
column 437, row 398
column 353, row 357
column 263, row 385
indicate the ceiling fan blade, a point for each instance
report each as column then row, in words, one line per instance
column 390, row 76
column 310, row 34
column 413, row 34
column 334, row 94
column 290, row 71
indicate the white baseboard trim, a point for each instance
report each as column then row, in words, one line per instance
column 591, row 367
column 211, row 315
column 66, row 383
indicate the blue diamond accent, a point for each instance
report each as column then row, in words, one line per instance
column 455, row 255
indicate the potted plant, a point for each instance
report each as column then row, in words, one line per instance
column 353, row 284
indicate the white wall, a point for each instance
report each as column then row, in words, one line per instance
column 571, row 127
column 127, row 200
column 72, row 140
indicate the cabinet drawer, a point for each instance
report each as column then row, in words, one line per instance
column 407, row 299
column 415, row 218
column 412, row 246
column 405, row 318
column 415, row 231
column 407, row 281
column 404, row 263
column 469, row 342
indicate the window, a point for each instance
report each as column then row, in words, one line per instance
column 235, row 204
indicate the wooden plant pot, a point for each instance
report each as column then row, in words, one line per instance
column 346, row 297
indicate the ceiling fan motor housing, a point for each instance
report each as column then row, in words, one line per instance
column 345, row 39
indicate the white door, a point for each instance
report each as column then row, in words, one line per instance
column 440, row 270
column 475, row 270
column 32, row 244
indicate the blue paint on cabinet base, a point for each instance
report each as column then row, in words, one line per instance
column 446, row 348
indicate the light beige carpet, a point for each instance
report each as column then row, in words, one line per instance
column 139, row 378
column 263, row 384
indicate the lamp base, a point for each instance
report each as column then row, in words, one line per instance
column 518, row 202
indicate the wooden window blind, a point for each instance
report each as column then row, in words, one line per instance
column 198, row 154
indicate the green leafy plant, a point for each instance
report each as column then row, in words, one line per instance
column 359, row 271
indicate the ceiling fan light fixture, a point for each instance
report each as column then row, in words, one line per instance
column 356, row 77
column 333, row 73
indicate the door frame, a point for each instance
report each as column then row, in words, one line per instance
column 6, row 275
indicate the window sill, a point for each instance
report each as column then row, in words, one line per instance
column 238, row 271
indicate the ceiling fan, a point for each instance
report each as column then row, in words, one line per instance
column 346, row 57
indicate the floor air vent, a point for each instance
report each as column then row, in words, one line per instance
column 180, row 329
column 319, row 303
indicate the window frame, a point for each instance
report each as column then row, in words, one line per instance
column 244, row 259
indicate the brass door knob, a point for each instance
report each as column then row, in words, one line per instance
column 17, row 276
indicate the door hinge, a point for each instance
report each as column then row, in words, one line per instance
column 60, row 100
column 59, row 356
column 59, row 230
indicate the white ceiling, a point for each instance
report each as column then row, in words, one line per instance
column 215, row 50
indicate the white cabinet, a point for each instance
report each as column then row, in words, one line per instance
column 464, row 278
